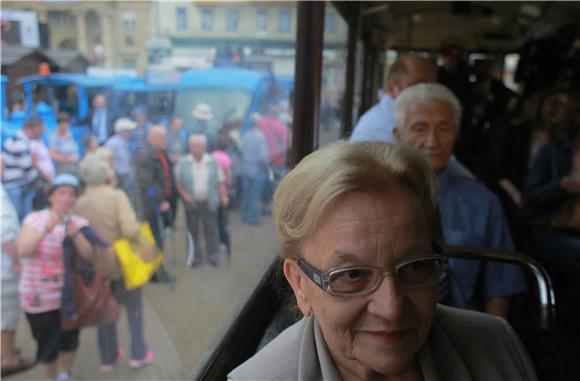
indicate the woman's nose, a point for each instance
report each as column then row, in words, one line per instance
column 388, row 300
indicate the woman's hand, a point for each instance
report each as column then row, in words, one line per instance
column 72, row 228
column 84, row 247
column 53, row 220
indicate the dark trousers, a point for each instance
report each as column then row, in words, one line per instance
column 107, row 334
column 223, row 228
column 197, row 215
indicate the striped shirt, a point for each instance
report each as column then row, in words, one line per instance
column 17, row 158
column 42, row 276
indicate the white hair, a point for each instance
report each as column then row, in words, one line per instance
column 425, row 93
column 197, row 137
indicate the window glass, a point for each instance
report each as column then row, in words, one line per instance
column 261, row 20
column 333, row 77
column 207, row 65
column 284, row 20
column 232, row 19
column 129, row 20
column 206, row 19
column 181, row 18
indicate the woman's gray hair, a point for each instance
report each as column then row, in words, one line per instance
column 343, row 168
column 95, row 171
column 424, row 93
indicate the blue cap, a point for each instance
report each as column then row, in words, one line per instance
column 62, row 180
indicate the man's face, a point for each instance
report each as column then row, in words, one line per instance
column 419, row 71
column 100, row 101
column 431, row 129
column 157, row 138
column 37, row 132
column 176, row 124
column 197, row 149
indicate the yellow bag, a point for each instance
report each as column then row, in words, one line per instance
column 139, row 259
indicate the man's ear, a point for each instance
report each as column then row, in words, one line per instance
column 297, row 281
column 392, row 89
column 397, row 133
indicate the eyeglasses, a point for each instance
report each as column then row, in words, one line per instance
column 363, row 280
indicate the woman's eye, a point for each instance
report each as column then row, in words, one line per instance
column 353, row 274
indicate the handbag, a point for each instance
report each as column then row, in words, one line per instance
column 94, row 303
column 86, row 299
column 139, row 259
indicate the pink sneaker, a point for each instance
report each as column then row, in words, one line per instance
column 147, row 360
column 107, row 368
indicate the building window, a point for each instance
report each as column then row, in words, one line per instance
column 129, row 63
column 181, row 18
column 232, row 19
column 284, row 20
column 129, row 20
column 261, row 20
column 129, row 41
column 206, row 19
column 59, row 18
column 330, row 25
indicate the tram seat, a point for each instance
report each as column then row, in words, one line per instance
column 553, row 353
column 268, row 312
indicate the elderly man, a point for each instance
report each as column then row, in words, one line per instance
column 427, row 118
column 119, row 145
column 378, row 122
column 201, row 184
column 155, row 181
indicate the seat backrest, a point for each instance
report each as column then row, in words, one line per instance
column 546, row 294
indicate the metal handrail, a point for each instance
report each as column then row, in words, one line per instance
column 545, row 289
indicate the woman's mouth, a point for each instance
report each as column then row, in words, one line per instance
column 390, row 337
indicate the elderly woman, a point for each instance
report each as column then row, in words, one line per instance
column 43, row 271
column 358, row 226
column 111, row 215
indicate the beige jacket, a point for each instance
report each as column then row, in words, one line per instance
column 462, row 346
column 112, row 216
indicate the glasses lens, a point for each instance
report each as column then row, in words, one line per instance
column 420, row 272
column 347, row 281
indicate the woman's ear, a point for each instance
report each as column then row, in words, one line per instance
column 297, row 281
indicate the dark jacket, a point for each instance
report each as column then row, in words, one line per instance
column 110, row 122
column 542, row 192
column 150, row 178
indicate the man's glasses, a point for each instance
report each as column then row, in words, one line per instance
column 363, row 280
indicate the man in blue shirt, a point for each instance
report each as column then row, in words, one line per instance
column 427, row 118
column 378, row 122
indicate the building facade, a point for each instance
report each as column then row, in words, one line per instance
column 111, row 34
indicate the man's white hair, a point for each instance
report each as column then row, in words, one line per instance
column 197, row 138
column 425, row 93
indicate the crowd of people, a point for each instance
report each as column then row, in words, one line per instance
column 128, row 170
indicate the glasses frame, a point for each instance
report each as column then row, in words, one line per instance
column 322, row 278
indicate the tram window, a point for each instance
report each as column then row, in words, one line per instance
column 242, row 78
column 333, row 77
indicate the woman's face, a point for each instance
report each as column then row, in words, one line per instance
column 62, row 199
column 382, row 332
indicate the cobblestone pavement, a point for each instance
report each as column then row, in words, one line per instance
column 180, row 324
